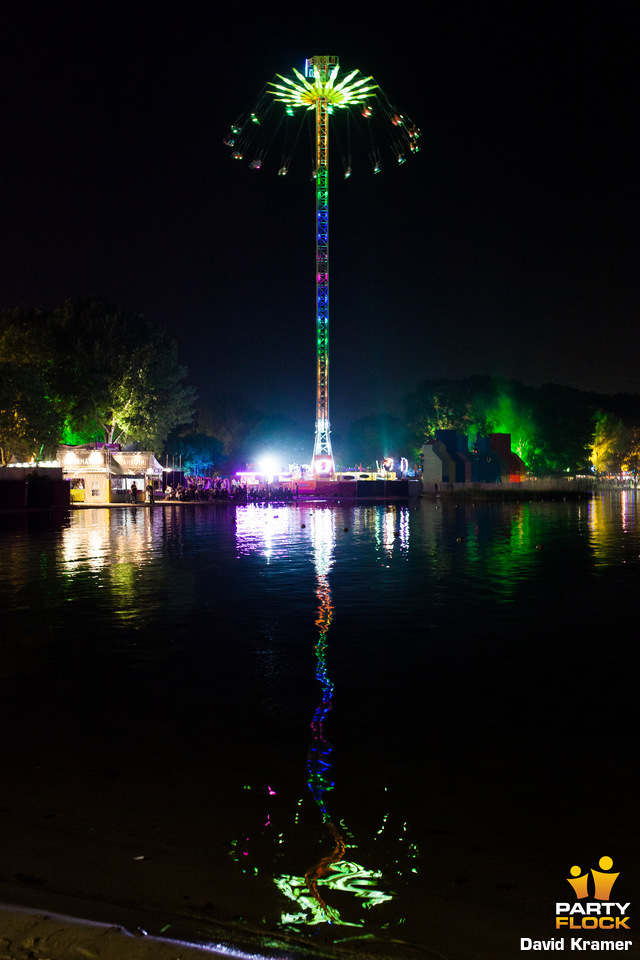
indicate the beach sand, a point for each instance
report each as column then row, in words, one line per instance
column 37, row 935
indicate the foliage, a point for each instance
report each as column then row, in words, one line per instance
column 29, row 422
column 631, row 462
column 506, row 407
column 610, row 442
column 550, row 427
column 438, row 405
column 565, row 422
column 74, row 438
column 101, row 369
column 118, row 370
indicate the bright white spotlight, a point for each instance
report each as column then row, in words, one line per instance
column 269, row 466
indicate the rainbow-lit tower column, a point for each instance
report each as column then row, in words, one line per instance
column 320, row 91
column 323, row 463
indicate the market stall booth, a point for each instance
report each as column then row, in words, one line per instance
column 101, row 473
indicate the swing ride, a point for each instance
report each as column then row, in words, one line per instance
column 279, row 115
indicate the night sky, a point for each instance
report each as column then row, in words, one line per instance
column 509, row 245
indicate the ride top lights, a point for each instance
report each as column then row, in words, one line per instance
column 322, row 86
column 327, row 61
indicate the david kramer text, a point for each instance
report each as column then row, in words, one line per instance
column 577, row 943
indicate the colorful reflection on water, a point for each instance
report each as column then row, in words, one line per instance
column 317, row 890
column 335, row 870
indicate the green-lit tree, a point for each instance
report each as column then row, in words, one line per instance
column 103, row 371
column 117, row 370
column 551, row 427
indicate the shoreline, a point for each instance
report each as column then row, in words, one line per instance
column 41, row 934
column 37, row 933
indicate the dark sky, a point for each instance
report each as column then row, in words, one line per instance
column 508, row 246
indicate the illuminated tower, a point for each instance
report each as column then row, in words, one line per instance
column 319, row 91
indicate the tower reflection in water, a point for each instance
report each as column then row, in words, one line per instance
column 334, row 890
column 334, row 876
column 311, row 891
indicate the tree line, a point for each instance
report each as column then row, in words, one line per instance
column 554, row 429
column 87, row 370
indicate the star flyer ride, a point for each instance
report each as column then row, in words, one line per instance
column 320, row 90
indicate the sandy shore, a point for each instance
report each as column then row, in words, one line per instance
column 30, row 934
column 35, row 935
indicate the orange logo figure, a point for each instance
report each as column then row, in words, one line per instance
column 603, row 881
column 580, row 883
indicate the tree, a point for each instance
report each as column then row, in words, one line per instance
column 610, row 442
column 29, row 422
column 564, row 417
column 550, row 427
column 631, row 461
column 438, row 405
column 118, row 370
column 99, row 368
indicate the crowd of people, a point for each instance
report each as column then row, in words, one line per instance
column 218, row 488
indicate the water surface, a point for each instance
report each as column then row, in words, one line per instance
column 386, row 727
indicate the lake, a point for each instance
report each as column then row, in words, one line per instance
column 385, row 729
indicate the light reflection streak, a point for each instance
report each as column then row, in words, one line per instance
column 94, row 541
column 266, row 530
column 332, row 871
column 389, row 525
column 107, row 550
column 329, row 891
column 608, row 514
column 628, row 510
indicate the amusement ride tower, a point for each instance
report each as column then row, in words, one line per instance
column 320, row 90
